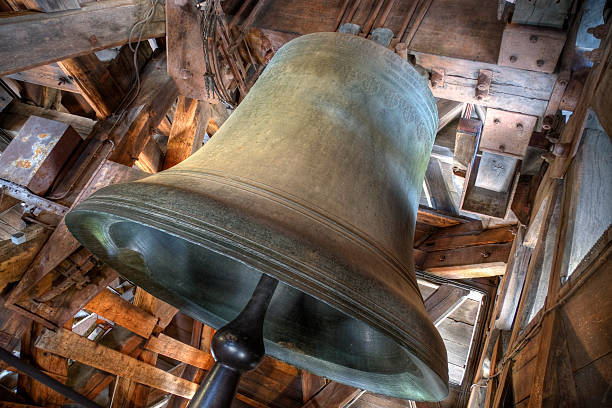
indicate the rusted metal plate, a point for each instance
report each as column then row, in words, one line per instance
column 507, row 132
column 532, row 48
column 496, row 172
column 34, row 158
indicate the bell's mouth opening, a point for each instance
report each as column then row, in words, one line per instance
column 213, row 287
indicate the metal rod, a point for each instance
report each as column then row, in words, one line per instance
column 237, row 347
column 23, row 194
column 43, row 378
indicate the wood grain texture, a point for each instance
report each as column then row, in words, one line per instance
column 113, row 307
column 469, row 262
column 73, row 346
column 30, row 40
column 50, row 75
column 187, row 131
column 490, row 236
column 334, row 395
column 443, row 301
column 177, row 350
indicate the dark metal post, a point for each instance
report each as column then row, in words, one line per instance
column 237, row 347
column 43, row 378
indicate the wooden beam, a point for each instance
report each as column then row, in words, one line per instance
column 14, row 259
column 470, row 262
column 49, row 6
column 490, row 236
column 187, row 131
column 158, row 92
column 438, row 190
column 114, row 308
column 33, row 39
column 512, row 89
column 70, row 345
column 334, row 395
column 438, row 219
column 180, row 351
column 444, row 301
column 50, row 75
column 448, row 111
column 16, row 113
column 94, row 82
column 311, row 385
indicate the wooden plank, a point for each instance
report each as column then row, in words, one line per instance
column 334, row 395
column 14, row 259
column 490, row 236
column 532, row 48
column 311, row 384
column 30, row 40
column 75, row 347
column 512, row 89
column 113, row 307
column 438, row 219
column 158, row 92
column 470, row 262
column 16, row 113
column 94, row 82
column 187, row 131
column 50, row 75
column 180, row 351
column 444, row 301
column 438, row 190
column 49, row 6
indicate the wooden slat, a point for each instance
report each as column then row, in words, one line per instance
column 490, row 236
column 334, row 395
column 438, row 219
column 49, row 6
column 113, row 307
column 311, row 385
column 470, row 262
column 94, row 82
column 50, row 75
column 444, row 301
column 180, row 351
column 14, row 259
column 30, row 40
column 75, row 347
column 512, row 89
column 16, row 113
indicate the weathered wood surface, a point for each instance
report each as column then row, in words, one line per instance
column 187, row 131
column 75, row 347
column 444, row 301
column 490, row 236
column 14, row 259
column 334, row 395
column 50, row 75
column 469, row 262
column 512, row 89
column 16, row 113
column 49, row 6
column 33, row 39
column 177, row 350
column 94, row 82
column 114, row 308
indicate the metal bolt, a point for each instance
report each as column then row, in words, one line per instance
column 533, row 38
column 496, row 121
column 442, row 257
column 480, row 97
column 519, row 126
column 540, row 62
column 485, row 254
column 563, row 82
column 502, row 148
column 513, row 58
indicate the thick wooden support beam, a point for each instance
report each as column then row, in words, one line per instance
column 16, row 113
column 30, row 40
column 158, row 93
column 334, row 395
column 490, row 236
column 180, row 351
column 438, row 219
column 70, row 345
column 512, row 89
column 113, row 307
column 444, row 301
column 50, row 75
column 470, row 262
column 187, row 131
column 94, row 82
column 49, row 6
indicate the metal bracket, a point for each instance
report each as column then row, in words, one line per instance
column 485, row 76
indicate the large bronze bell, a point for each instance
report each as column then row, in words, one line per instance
column 314, row 180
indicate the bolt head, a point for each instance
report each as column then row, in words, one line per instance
column 533, row 39
column 496, row 121
column 513, row 58
column 519, row 126
column 502, row 148
column 540, row 62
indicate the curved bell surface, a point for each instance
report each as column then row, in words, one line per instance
column 315, row 180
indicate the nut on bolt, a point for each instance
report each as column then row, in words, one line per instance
column 540, row 62
column 533, row 39
column 513, row 58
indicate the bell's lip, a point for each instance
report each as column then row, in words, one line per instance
column 106, row 205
